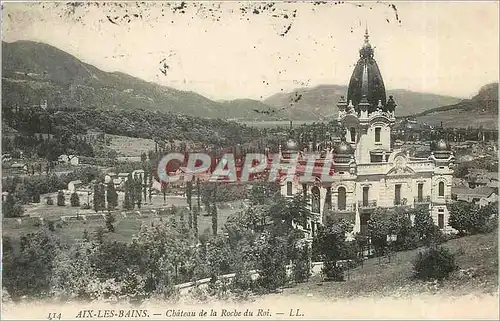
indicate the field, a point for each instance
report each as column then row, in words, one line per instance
column 130, row 146
column 128, row 223
column 382, row 278
column 276, row 123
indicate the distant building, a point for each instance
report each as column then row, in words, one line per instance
column 74, row 185
column 20, row 168
column 480, row 195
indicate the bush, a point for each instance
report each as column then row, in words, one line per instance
column 49, row 201
column 61, row 199
column 75, row 200
column 435, row 263
column 301, row 268
column 332, row 272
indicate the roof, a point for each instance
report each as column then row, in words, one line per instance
column 482, row 191
column 123, row 174
column 18, row 165
column 366, row 80
column 75, row 182
column 117, row 181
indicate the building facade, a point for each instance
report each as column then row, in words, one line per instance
column 368, row 172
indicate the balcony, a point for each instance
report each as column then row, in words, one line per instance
column 401, row 202
column 348, row 208
column 422, row 200
column 442, row 199
column 369, row 205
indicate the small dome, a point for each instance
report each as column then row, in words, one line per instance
column 441, row 145
column 343, row 148
column 292, row 145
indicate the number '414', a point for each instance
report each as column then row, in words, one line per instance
column 54, row 315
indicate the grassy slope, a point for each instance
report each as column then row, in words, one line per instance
column 478, row 251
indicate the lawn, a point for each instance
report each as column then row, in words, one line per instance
column 125, row 227
column 130, row 146
column 381, row 278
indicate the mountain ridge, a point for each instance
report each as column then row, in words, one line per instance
column 35, row 71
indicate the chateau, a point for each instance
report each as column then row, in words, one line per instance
column 367, row 171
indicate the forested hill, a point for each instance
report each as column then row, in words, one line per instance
column 33, row 72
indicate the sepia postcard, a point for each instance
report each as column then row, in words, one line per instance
column 226, row 160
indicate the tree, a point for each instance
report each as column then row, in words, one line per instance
column 112, row 196
column 99, row 198
column 164, row 192
column 28, row 270
column 423, row 223
column 60, row 199
column 399, row 224
column 189, row 197
column 110, row 219
column 378, row 229
column 11, row 208
column 330, row 240
column 74, row 199
column 434, row 263
column 467, row 218
column 128, row 202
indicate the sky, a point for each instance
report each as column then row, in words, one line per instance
column 231, row 50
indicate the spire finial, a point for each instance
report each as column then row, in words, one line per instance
column 367, row 36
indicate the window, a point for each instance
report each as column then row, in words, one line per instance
column 441, row 189
column 289, row 188
column 420, row 192
column 315, row 206
column 341, row 198
column 377, row 134
column 304, row 189
column 397, row 194
column 328, row 198
column 365, row 196
column 352, row 130
column 441, row 221
column 376, row 158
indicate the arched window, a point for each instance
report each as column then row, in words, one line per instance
column 441, row 189
column 289, row 188
column 315, row 206
column 352, row 131
column 341, row 198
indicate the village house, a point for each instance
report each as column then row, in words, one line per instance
column 74, row 185
column 480, row 195
column 19, row 168
column 68, row 159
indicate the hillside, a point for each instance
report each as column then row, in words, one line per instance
column 476, row 253
column 34, row 71
column 480, row 110
column 322, row 101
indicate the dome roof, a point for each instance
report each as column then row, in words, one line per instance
column 292, row 145
column 366, row 80
column 343, row 148
column 441, row 146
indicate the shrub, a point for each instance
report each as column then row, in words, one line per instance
column 110, row 219
column 60, row 199
column 74, row 200
column 301, row 268
column 332, row 272
column 434, row 263
column 49, row 201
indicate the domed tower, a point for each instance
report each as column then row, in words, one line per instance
column 366, row 81
column 367, row 113
column 343, row 154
